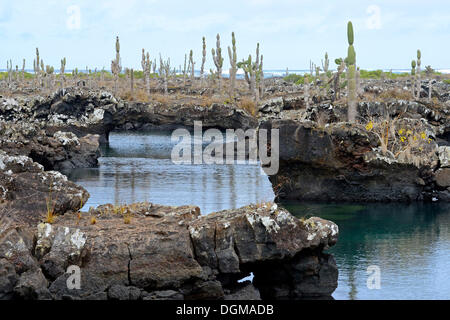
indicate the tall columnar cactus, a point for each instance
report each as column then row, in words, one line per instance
column 9, row 69
column 419, row 55
column 62, row 71
column 413, row 77
column 325, row 68
column 116, row 66
column 429, row 72
column 218, row 60
column 185, row 69
column 257, row 74
column 23, row 70
column 233, row 61
column 132, row 81
column 144, row 67
column 202, row 69
column 351, row 74
column 192, row 66
column 306, row 84
column 49, row 70
column 261, row 76
column 358, row 81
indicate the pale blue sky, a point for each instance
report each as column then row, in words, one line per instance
column 387, row 32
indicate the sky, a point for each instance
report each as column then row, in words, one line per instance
column 290, row 32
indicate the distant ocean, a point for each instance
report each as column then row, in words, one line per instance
column 272, row 73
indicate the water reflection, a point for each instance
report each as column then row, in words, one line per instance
column 410, row 243
column 137, row 167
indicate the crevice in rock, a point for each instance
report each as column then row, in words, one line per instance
column 130, row 283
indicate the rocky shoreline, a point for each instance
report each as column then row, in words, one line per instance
column 148, row 251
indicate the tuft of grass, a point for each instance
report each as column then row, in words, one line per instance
column 50, row 216
column 93, row 220
column 249, row 105
column 127, row 218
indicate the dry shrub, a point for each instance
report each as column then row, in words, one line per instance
column 206, row 101
column 126, row 95
column 141, row 96
column 397, row 94
column 249, row 105
column 405, row 140
column 163, row 99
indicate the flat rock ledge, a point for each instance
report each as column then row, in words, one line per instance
column 148, row 251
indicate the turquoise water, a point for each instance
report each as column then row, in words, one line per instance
column 409, row 243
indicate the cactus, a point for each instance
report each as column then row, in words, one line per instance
column 116, row 66
column 49, row 70
column 218, row 60
column 233, row 60
column 192, row 64
column 337, row 76
column 306, row 94
column 202, row 69
column 146, row 69
column 23, row 70
column 429, row 72
column 252, row 71
column 257, row 74
column 261, row 86
column 351, row 76
column 164, row 72
column 9, row 69
column 358, row 81
column 62, row 70
column 184, row 70
column 132, row 81
column 419, row 55
column 413, row 77
column 325, row 66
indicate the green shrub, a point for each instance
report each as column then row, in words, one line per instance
column 293, row 78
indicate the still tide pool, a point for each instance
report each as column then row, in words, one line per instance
column 409, row 243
